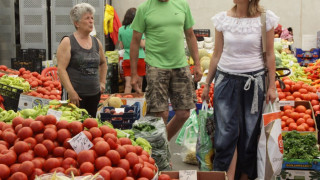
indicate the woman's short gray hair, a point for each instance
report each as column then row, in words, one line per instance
column 80, row 9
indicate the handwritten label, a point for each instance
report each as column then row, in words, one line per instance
column 286, row 103
column 188, row 175
column 118, row 110
column 56, row 114
column 80, row 142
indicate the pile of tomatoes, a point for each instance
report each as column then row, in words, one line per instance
column 297, row 118
column 298, row 91
column 33, row 147
column 199, row 93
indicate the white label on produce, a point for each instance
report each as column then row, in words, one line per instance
column 56, row 114
column 187, row 174
column 286, row 103
column 80, row 142
column 63, row 102
column 119, row 110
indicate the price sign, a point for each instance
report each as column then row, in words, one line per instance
column 118, row 110
column 12, row 75
column 56, row 114
column 291, row 63
column 188, row 175
column 80, row 142
column 286, row 103
column 63, row 102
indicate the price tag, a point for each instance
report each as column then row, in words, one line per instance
column 118, row 110
column 12, row 75
column 286, row 103
column 291, row 63
column 188, row 175
column 56, row 114
column 285, row 46
column 63, row 102
column 80, row 142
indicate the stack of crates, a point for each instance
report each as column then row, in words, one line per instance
column 306, row 57
column 201, row 33
column 31, row 59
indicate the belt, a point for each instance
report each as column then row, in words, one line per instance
column 258, row 83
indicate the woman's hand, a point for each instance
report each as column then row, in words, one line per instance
column 74, row 98
column 271, row 95
column 102, row 87
column 205, row 93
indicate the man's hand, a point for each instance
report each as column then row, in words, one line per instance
column 197, row 73
column 134, row 83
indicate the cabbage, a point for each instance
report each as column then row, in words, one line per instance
column 115, row 102
column 202, row 52
column 205, row 62
column 278, row 46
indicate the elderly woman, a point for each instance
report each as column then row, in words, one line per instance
column 82, row 67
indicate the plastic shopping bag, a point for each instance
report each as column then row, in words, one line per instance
column 204, row 148
column 270, row 147
column 191, row 121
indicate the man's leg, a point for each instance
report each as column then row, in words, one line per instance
column 177, row 122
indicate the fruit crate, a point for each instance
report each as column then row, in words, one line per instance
column 200, row 33
column 11, row 96
column 122, row 121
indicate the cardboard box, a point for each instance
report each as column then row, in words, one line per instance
column 28, row 102
column 298, row 175
column 201, row 175
column 306, row 104
column 135, row 98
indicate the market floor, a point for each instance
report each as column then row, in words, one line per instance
column 176, row 160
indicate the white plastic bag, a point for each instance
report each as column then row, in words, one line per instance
column 270, row 146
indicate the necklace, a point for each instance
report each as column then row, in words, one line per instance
column 84, row 42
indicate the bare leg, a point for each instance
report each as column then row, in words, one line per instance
column 164, row 115
column 128, row 87
column 177, row 122
column 232, row 167
column 140, row 80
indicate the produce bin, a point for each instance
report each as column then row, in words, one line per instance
column 11, row 96
column 125, row 120
column 31, row 59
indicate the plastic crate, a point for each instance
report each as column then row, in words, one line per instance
column 128, row 118
column 31, row 59
column 306, row 57
column 200, row 33
column 11, row 96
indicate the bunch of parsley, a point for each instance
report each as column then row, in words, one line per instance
column 297, row 146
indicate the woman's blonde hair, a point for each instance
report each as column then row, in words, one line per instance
column 253, row 8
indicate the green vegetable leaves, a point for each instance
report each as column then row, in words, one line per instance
column 297, row 146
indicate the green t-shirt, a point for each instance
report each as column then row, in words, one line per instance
column 125, row 36
column 163, row 24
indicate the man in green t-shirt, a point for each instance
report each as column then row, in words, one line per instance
column 164, row 22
